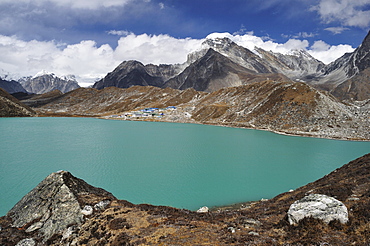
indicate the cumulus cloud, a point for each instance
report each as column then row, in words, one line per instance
column 86, row 59
column 327, row 53
column 89, row 61
column 346, row 12
column 157, row 49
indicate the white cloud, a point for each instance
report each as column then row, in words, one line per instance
column 79, row 4
column 119, row 32
column 304, row 35
column 327, row 53
column 250, row 41
column 336, row 30
column 157, row 49
column 346, row 12
column 89, row 61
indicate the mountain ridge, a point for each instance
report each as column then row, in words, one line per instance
column 298, row 65
column 44, row 82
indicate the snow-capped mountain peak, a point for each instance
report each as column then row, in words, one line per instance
column 42, row 73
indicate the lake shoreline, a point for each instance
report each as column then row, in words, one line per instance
column 230, row 125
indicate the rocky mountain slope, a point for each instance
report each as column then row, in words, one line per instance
column 45, row 82
column 65, row 210
column 284, row 107
column 356, row 88
column 222, row 63
column 11, row 86
column 130, row 73
column 214, row 71
column 350, row 65
column 11, row 107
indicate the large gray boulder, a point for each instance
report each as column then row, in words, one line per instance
column 56, row 204
column 319, row 207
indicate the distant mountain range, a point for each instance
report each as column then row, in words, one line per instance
column 222, row 63
column 42, row 82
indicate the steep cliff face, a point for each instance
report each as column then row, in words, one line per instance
column 11, row 107
column 65, row 210
column 46, row 82
column 347, row 77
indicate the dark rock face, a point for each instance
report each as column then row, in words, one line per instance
column 11, row 107
column 49, row 82
column 55, row 204
column 130, row 73
column 11, row 86
column 360, row 58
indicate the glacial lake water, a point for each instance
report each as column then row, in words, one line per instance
column 180, row 165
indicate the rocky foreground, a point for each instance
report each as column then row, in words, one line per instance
column 65, row 210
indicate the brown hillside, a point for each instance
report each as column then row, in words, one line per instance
column 11, row 107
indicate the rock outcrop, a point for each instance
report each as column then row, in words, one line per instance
column 319, row 207
column 11, row 107
column 56, row 204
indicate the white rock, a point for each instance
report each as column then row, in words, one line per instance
column 68, row 232
column 203, row 210
column 231, row 229
column 253, row 233
column 318, row 206
column 26, row 242
column 101, row 205
column 35, row 227
column 87, row 210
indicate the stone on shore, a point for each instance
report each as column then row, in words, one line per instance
column 203, row 210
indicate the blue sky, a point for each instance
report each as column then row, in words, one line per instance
column 76, row 36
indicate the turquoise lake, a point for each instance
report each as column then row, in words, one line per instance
column 180, row 165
